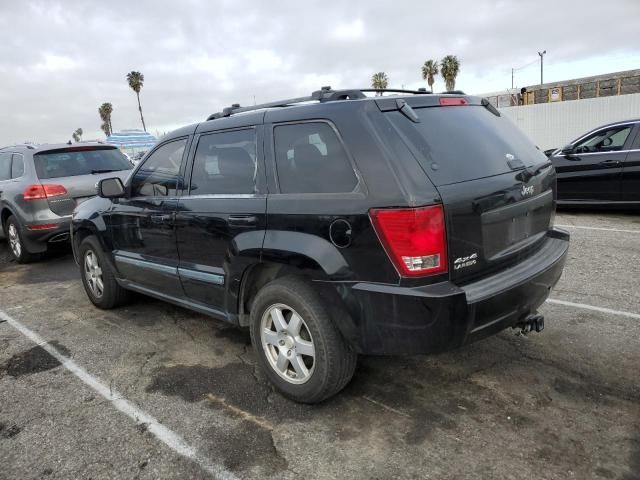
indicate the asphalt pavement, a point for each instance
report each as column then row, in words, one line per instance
column 152, row 391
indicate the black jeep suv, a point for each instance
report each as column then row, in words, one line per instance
column 333, row 225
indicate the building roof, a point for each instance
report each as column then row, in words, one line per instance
column 132, row 139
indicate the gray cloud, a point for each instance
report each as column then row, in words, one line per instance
column 59, row 60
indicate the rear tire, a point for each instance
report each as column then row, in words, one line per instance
column 16, row 245
column 296, row 343
column 98, row 278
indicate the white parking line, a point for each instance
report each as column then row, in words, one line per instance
column 598, row 228
column 162, row 433
column 596, row 309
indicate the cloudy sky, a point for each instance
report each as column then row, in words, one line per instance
column 59, row 60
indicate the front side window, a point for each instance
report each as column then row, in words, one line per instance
column 5, row 166
column 159, row 175
column 608, row 140
column 17, row 166
column 225, row 163
column 311, row 159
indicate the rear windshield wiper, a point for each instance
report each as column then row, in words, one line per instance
column 530, row 172
column 106, row 170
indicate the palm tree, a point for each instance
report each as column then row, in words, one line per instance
column 136, row 80
column 77, row 135
column 449, row 69
column 105, row 111
column 430, row 70
column 379, row 81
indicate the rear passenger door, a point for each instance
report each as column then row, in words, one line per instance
column 631, row 171
column 5, row 176
column 221, row 218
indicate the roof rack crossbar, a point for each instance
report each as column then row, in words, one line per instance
column 325, row 94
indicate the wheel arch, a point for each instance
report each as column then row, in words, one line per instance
column 5, row 213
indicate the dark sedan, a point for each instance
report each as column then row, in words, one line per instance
column 601, row 168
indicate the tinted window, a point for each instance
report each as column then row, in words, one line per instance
column 158, row 176
column 79, row 161
column 464, row 143
column 311, row 159
column 636, row 142
column 5, row 166
column 607, row 140
column 225, row 163
column 17, row 166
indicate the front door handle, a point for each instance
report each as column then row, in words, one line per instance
column 243, row 220
column 610, row 163
column 161, row 219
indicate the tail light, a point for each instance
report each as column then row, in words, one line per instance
column 414, row 238
column 39, row 192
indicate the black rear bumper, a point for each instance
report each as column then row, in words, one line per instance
column 388, row 319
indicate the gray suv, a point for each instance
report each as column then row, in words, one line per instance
column 41, row 185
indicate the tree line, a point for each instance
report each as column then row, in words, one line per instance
column 136, row 82
column 448, row 68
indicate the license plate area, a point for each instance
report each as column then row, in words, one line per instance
column 509, row 228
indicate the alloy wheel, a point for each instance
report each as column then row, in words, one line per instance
column 14, row 241
column 93, row 273
column 287, row 343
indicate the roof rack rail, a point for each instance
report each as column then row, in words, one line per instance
column 420, row 91
column 30, row 146
column 325, row 94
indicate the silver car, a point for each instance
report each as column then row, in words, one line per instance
column 41, row 185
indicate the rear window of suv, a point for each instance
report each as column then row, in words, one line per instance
column 79, row 161
column 462, row 143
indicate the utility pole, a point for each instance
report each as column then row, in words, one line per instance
column 511, row 78
column 541, row 65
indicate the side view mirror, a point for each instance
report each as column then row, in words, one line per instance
column 567, row 149
column 111, row 188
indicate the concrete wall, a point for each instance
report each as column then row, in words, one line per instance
column 552, row 125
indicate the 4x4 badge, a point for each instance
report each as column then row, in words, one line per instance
column 526, row 191
column 463, row 262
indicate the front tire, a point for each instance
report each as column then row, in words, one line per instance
column 98, row 279
column 296, row 343
column 16, row 245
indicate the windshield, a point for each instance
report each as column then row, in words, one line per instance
column 73, row 162
column 456, row 144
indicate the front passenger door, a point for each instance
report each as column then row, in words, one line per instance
column 142, row 224
column 593, row 171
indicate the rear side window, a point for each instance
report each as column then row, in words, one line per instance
column 462, row 143
column 79, row 161
column 311, row 159
column 5, row 166
column 225, row 163
column 159, row 175
column 17, row 166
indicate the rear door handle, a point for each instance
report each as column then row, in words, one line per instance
column 243, row 220
column 610, row 163
column 161, row 218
